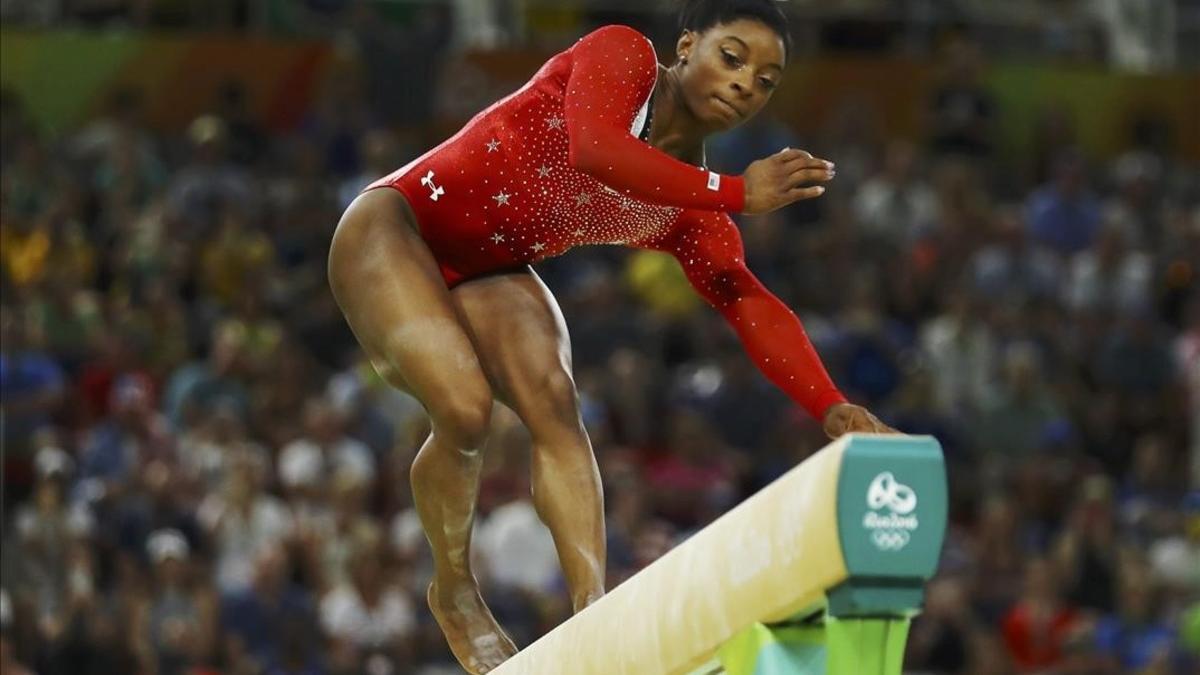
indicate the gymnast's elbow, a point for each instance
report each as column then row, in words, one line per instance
column 722, row 287
column 587, row 151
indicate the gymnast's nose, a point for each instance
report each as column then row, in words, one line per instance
column 740, row 87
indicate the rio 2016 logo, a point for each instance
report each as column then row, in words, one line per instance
column 890, row 520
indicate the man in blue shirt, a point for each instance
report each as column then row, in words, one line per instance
column 31, row 383
column 273, row 622
column 1064, row 215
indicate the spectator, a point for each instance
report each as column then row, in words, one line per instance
column 1064, row 215
column 1012, row 266
column 328, row 542
column 1136, row 208
column 46, row 530
column 1087, row 552
column 694, row 478
column 134, row 434
column 1175, row 558
column 998, row 554
column 369, row 612
column 1133, row 639
column 1109, row 276
column 1011, row 424
column 217, row 444
column 324, row 444
column 894, row 204
column 941, row 637
column 962, row 353
column 270, row 625
column 195, row 387
column 209, row 181
column 382, row 151
column 242, row 521
column 1039, row 626
column 1186, row 351
column 963, row 111
column 174, row 629
column 31, row 382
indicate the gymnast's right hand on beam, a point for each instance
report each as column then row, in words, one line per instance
column 778, row 180
column 844, row 418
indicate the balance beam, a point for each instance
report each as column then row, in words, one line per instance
column 840, row 546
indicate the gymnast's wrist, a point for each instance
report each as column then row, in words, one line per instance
column 731, row 191
column 826, row 402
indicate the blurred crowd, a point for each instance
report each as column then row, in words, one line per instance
column 1133, row 35
column 202, row 474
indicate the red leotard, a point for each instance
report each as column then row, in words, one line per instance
column 558, row 164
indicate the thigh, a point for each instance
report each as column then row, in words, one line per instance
column 392, row 294
column 521, row 337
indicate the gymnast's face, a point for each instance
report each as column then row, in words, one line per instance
column 731, row 70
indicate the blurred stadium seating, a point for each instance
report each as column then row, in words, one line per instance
column 201, row 474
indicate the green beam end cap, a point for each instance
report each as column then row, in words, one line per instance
column 892, row 507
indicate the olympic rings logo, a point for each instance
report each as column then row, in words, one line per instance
column 890, row 540
column 885, row 490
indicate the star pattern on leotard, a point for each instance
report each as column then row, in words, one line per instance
column 522, row 199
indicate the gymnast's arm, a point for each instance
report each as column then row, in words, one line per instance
column 613, row 73
column 709, row 247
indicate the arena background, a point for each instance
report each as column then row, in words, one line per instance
column 201, row 475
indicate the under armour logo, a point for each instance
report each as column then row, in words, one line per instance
column 885, row 490
column 438, row 191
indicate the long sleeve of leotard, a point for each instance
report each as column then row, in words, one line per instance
column 612, row 75
column 709, row 247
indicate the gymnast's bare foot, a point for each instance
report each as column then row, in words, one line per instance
column 476, row 639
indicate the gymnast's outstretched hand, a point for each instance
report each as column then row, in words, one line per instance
column 776, row 181
column 844, row 418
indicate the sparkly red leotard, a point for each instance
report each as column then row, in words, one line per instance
column 559, row 164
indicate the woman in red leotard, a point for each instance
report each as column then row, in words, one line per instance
column 602, row 146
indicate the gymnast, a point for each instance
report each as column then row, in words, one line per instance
column 431, row 267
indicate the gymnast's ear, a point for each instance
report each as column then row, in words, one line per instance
column 685, row 45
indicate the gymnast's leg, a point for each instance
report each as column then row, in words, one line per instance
column 388, row 285
column 522, row 339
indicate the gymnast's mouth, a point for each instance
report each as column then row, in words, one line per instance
column 727, row 106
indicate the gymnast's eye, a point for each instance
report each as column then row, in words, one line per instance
column 731, row 59
column 768, row 83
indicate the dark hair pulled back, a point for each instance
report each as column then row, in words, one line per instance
column 700, row 15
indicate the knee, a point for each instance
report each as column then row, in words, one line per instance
column 558, row 389
column 463, row 421
column 554, row 405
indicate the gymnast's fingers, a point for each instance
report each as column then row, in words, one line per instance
column 880, row 427
column 814, row 174
column 788, row 155
column 798, row 193
column 797, row 162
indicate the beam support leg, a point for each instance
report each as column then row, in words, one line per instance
column 851, row 646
